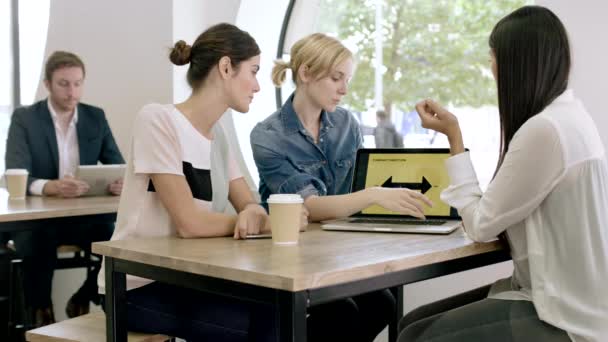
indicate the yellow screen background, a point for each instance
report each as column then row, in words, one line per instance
column 409, row 168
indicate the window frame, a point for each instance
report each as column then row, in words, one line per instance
column 16, row 74
column 281, row 46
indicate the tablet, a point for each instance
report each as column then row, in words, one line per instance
column 99, row 177
column 259, row 236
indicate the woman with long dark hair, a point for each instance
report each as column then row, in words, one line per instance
column 548, row 199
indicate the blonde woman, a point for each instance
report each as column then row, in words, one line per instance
column 308, row 147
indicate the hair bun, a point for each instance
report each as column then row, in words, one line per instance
column 180, row 54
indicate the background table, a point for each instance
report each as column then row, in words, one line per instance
column 33, row 208
column 37, row 212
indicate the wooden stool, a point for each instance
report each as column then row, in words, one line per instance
column 90, row 328
column 68, row 249
column 79, row 258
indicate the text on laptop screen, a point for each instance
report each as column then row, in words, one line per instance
column 423, row 172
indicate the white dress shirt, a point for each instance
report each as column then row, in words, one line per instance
column 551, row 197
column 67, row 146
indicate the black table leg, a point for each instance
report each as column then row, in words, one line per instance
column 290, row 316
column 393, row 332
column 116, row 309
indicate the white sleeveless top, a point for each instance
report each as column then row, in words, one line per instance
column 165, row 142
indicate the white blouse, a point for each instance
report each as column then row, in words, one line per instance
column 67, row 147
column 551, row 197
column 164, row 142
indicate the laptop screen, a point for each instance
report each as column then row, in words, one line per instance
column 417, row 169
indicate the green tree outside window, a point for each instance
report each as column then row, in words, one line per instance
column 431, row 49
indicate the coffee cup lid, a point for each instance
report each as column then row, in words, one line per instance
column 285, row 198
column 15, row 172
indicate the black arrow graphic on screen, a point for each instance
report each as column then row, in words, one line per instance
column 423, row 186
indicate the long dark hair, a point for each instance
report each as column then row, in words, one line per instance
column 533, row 63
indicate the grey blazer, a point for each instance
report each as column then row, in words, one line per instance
column 32, row 143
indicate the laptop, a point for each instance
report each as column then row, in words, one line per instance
column 99, row 177
column 420, row 169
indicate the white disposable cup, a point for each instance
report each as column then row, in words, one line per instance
column 16, row 183
column 285, row 217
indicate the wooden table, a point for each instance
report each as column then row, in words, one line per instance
column 325, row 266
column 35, row 211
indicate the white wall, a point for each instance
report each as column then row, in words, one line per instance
column 124, row 47
column 264, row 102
column 587, row 26
column 192, row 17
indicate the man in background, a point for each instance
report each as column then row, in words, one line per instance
column 385, row 134
column 50, row 139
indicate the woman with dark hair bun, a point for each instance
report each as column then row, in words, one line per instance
column 548, row 200
column 181, row 175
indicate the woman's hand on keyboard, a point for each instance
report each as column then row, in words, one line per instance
column 402, row 200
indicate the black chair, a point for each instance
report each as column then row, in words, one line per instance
column 5, row 257
column 19, row 317
column 80, row 258
column 12, row 304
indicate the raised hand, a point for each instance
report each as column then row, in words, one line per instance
column 437, row 118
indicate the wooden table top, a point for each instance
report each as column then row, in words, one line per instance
column 322, row 258
column 38, row 207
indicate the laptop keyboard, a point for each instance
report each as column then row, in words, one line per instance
column 414, row 222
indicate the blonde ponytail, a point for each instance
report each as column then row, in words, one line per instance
column 279, row 72
column 318, row 52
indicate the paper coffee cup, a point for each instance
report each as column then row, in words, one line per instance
column 16, row 183
column 285, row 216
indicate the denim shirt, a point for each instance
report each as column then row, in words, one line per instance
column 289, row 161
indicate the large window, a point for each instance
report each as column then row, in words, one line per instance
column 23, row 30
column 429, row 49
column 33, row 27
column 6, row 58
column 7, row 69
